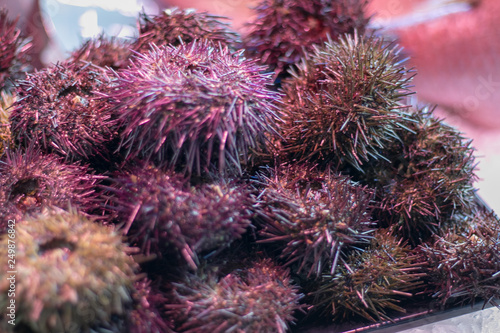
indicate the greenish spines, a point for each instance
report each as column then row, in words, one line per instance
column 312, row 216
column 464, row 263
column 176, row 26
column 13, row 51
column 284, row 29
column 260, row 298
column 341, row 103
column 162, row 213
column 58, row 111
column 194, row 106
column 370, row 283
column 6, row 101
column 72, row 274
column 104, row 51
column 429, row 179
column 31, row 181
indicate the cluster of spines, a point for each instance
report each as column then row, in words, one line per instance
column 311, row 216
column 285, row 30
column 341, row 102
column 193, row 106
column 104, row 51
column 464, row 262
column 162, row 213
column 258, row 298
column 175, row 26
column 370, row 283
column 58, row 111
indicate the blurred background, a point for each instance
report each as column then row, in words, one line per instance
column 453, row 44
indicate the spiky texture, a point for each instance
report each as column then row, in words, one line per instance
column 429, row 179
column 340, row 104
column 312, row 216
column 6, row 101
column 104, row 51
column 260, row 298
column 30, row 181
column 284, row 29
column 13, row 50
column 71, row 274
column 175, row 26
column 57, row 110
column 193, row 105
column 464, row 264
column 370, row 283
column 147, row 316
column 162, row 213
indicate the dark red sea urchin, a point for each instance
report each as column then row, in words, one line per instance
column 30, row 181
column 163, row 215
column 175, row 26
column 284, row 29
column 57, row 110
column 312, row 216
column 194, row 105
column 13, row 50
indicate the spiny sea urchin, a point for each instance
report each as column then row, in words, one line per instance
column 284, row 29
column 260, row 298
column 57, row 110
column 13, row 51
column 192, row 105
column 341, row 103
column 175, row 26
column 71, row 274
column 464, row 264
column 312, row 216
column 371, row 282
column 429, row 178
column 162, row 213
column 30, row 181
column 104, row 51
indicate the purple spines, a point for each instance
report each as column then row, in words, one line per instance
column 260, row 298
column 58, row 111
column 31, row 181
column 13, row 51
column 192, row 106
column 104, row 51
column 161, row 213
column 175, row 26
column 284, row 29
column 312, row 216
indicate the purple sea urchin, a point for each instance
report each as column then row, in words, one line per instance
column 192, row 105
column 284, row 29
column 371, row 282
column 29, row 181
column 313, row 215
column 260, row 298
column 464, row 264
column 341, row 103
column 104, row 52
column 71, row 274
column 13, row 50
column 162, row 213
column 57, row 110
column 175, row 26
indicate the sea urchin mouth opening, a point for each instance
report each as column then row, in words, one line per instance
column 25, row 187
